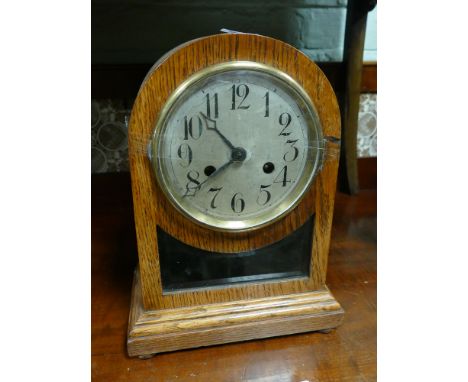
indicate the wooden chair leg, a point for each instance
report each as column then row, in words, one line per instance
column 356, row 19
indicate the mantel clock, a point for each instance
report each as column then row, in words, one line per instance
column 233, row 148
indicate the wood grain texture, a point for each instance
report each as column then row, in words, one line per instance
column 159, row 331
column 152, row 209
column 346, row 354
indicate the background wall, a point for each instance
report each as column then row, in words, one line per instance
column 370, row 45
column 140, row 31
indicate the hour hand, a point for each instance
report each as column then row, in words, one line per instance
column 211, row 125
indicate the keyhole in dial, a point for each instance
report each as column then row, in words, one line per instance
column 209, row 170
column 268, row 168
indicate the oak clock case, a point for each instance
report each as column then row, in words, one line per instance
column 233, row 149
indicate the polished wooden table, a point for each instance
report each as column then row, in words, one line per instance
column 346, row 354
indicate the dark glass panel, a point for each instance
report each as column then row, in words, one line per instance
column 184, row 267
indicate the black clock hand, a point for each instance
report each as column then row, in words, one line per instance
column 238, row 154
column 219, row 170
column 215, row 128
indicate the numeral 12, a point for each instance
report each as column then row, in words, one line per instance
column 241, row 90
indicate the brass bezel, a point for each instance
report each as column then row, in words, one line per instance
column 295, row 195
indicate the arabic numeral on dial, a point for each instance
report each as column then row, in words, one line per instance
column 190, row 131
column 287, row 156
column 237, row 203
column 267, row 104
column 285, row 120
column 184, row 152
column 282, row 177
column 241, row 90
column 216, row 190
column 209, row 104
column 193, row 184
column 264, row 194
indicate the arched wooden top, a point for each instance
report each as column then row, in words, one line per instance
column 152, row 209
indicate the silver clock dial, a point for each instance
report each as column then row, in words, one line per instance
column 236, row 146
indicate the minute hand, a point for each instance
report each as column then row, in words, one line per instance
column 212, row 126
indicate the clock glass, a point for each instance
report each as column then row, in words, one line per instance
column 236, row 146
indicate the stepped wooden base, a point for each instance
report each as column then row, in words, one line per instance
column 151, row 332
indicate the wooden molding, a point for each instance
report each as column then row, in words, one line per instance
column 151, row 332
